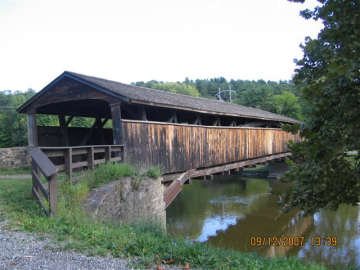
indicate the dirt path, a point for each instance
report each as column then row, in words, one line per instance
column 15, row 176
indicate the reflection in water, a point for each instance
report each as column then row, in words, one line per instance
column 230, row 210
column 214, row 224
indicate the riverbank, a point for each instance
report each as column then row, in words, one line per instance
column 142, row 245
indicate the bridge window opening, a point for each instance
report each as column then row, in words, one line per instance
column 74, row 123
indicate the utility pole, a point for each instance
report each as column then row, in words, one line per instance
column 218, row 95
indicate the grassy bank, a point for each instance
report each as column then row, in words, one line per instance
column 149, row 244
column 5, row 171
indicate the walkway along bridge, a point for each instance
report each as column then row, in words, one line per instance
column 185, row 136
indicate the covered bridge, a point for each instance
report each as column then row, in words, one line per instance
column 183, row 135
column 176, row 132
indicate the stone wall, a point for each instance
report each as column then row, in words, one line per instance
column 129, row 200
column 14, row 157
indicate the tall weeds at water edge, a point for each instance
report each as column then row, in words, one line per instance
column 148, row 244
column 108, row 172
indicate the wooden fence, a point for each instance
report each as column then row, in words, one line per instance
column 41, row 164
column 179, row 147
column 48, row 161
column 76, row 157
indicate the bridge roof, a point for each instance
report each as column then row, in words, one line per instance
column 159, row 98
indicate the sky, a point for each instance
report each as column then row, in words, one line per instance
column 141, row 40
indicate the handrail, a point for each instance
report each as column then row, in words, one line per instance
column 42, row 164
column 68, row 161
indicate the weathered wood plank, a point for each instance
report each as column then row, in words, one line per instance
column 64, row 129
column 43, row 162
column 32, row 130
column 38, row 185
column 90, row 158
column 79, row 164
column 171, row 192
column 60, row 168
column 38, row 198
column 68, row 162
column 53, row 194
column 177, row 148
column 107, row 154
column 117, row 123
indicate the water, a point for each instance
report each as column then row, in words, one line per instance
column 228, row 211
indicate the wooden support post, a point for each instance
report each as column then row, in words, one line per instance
column 197, row 120
column 211, row 177
column 217, row 122
column 64, row 129
column 91, row 163
column 117, row 123
column 142, row 113
column 173, row 118
column 107, row 154
column 97, row 123
column 68, row 162
column 32, row 130
column 53, row 193
column 102, row 124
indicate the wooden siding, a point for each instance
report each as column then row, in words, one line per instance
column 177, row 147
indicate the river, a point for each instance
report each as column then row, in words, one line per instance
column 244, row 214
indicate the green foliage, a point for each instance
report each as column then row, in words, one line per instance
column 328, row 76
column 173, row 87
column 8, row 171
column 13, row 125
column 278, row 97
column 106, row 173
column 153, row 172
column 286, row 103
column 144, row 241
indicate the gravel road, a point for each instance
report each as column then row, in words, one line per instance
column 19, row 250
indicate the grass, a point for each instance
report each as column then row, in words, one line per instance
column 5, row 171
column 145, row 242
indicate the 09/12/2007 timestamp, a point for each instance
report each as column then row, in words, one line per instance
column 293, row 241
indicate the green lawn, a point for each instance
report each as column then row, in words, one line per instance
column 4, row 171
column 146, row 242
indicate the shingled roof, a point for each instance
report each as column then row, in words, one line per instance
column 148, row 96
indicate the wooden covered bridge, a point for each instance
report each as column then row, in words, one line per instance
column 185, row 136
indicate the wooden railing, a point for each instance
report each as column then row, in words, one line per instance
column 48, row 161
column 76, row 157
column 181, row 147
column 41, row 164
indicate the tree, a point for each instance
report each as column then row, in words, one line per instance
column 12, row 124
column 324, row 173
column 286, row 103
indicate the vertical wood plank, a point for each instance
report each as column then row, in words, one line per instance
column 107, row 154
column 53, row 193
column 64, row 129
column 35, row 170
column 68, row 162
column 32, row 130
column 91, row 163
column 117, row 123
